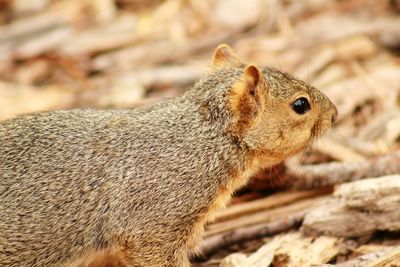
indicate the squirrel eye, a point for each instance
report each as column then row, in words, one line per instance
column 301, row 105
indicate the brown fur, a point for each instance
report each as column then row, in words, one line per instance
column 100, row 258
column 86, row 188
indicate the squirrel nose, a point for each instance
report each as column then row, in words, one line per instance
column 334, row 115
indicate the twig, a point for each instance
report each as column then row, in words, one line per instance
column 325, row 174
column 265, row 203
column 264, row 216
column 211, row 244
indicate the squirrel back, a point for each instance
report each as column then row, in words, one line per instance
column 136, row 187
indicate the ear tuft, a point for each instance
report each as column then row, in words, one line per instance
column 224, row 56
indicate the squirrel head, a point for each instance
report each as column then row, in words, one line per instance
column 268, row 111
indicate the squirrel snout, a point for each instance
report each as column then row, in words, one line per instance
column 330, row 109
column 334, row 115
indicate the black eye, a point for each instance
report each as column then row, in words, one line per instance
column 301, row 105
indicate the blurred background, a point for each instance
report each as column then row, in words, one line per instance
column 62, row 54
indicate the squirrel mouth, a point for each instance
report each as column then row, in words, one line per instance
column 319, row 127
column 316, row 131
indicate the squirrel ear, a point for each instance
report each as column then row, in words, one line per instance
column 224, row 56
column 252, row 77
column 246, row 97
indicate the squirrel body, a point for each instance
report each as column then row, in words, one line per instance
column 136, row 187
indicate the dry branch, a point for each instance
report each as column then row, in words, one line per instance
column 358, row 208
column 294, row 249
column 325, row 174
column 265, row 203
column 264, row 216
column 213, row 243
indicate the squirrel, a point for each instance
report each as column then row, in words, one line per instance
column 135, row 187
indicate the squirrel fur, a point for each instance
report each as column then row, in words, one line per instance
column 135, row 187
